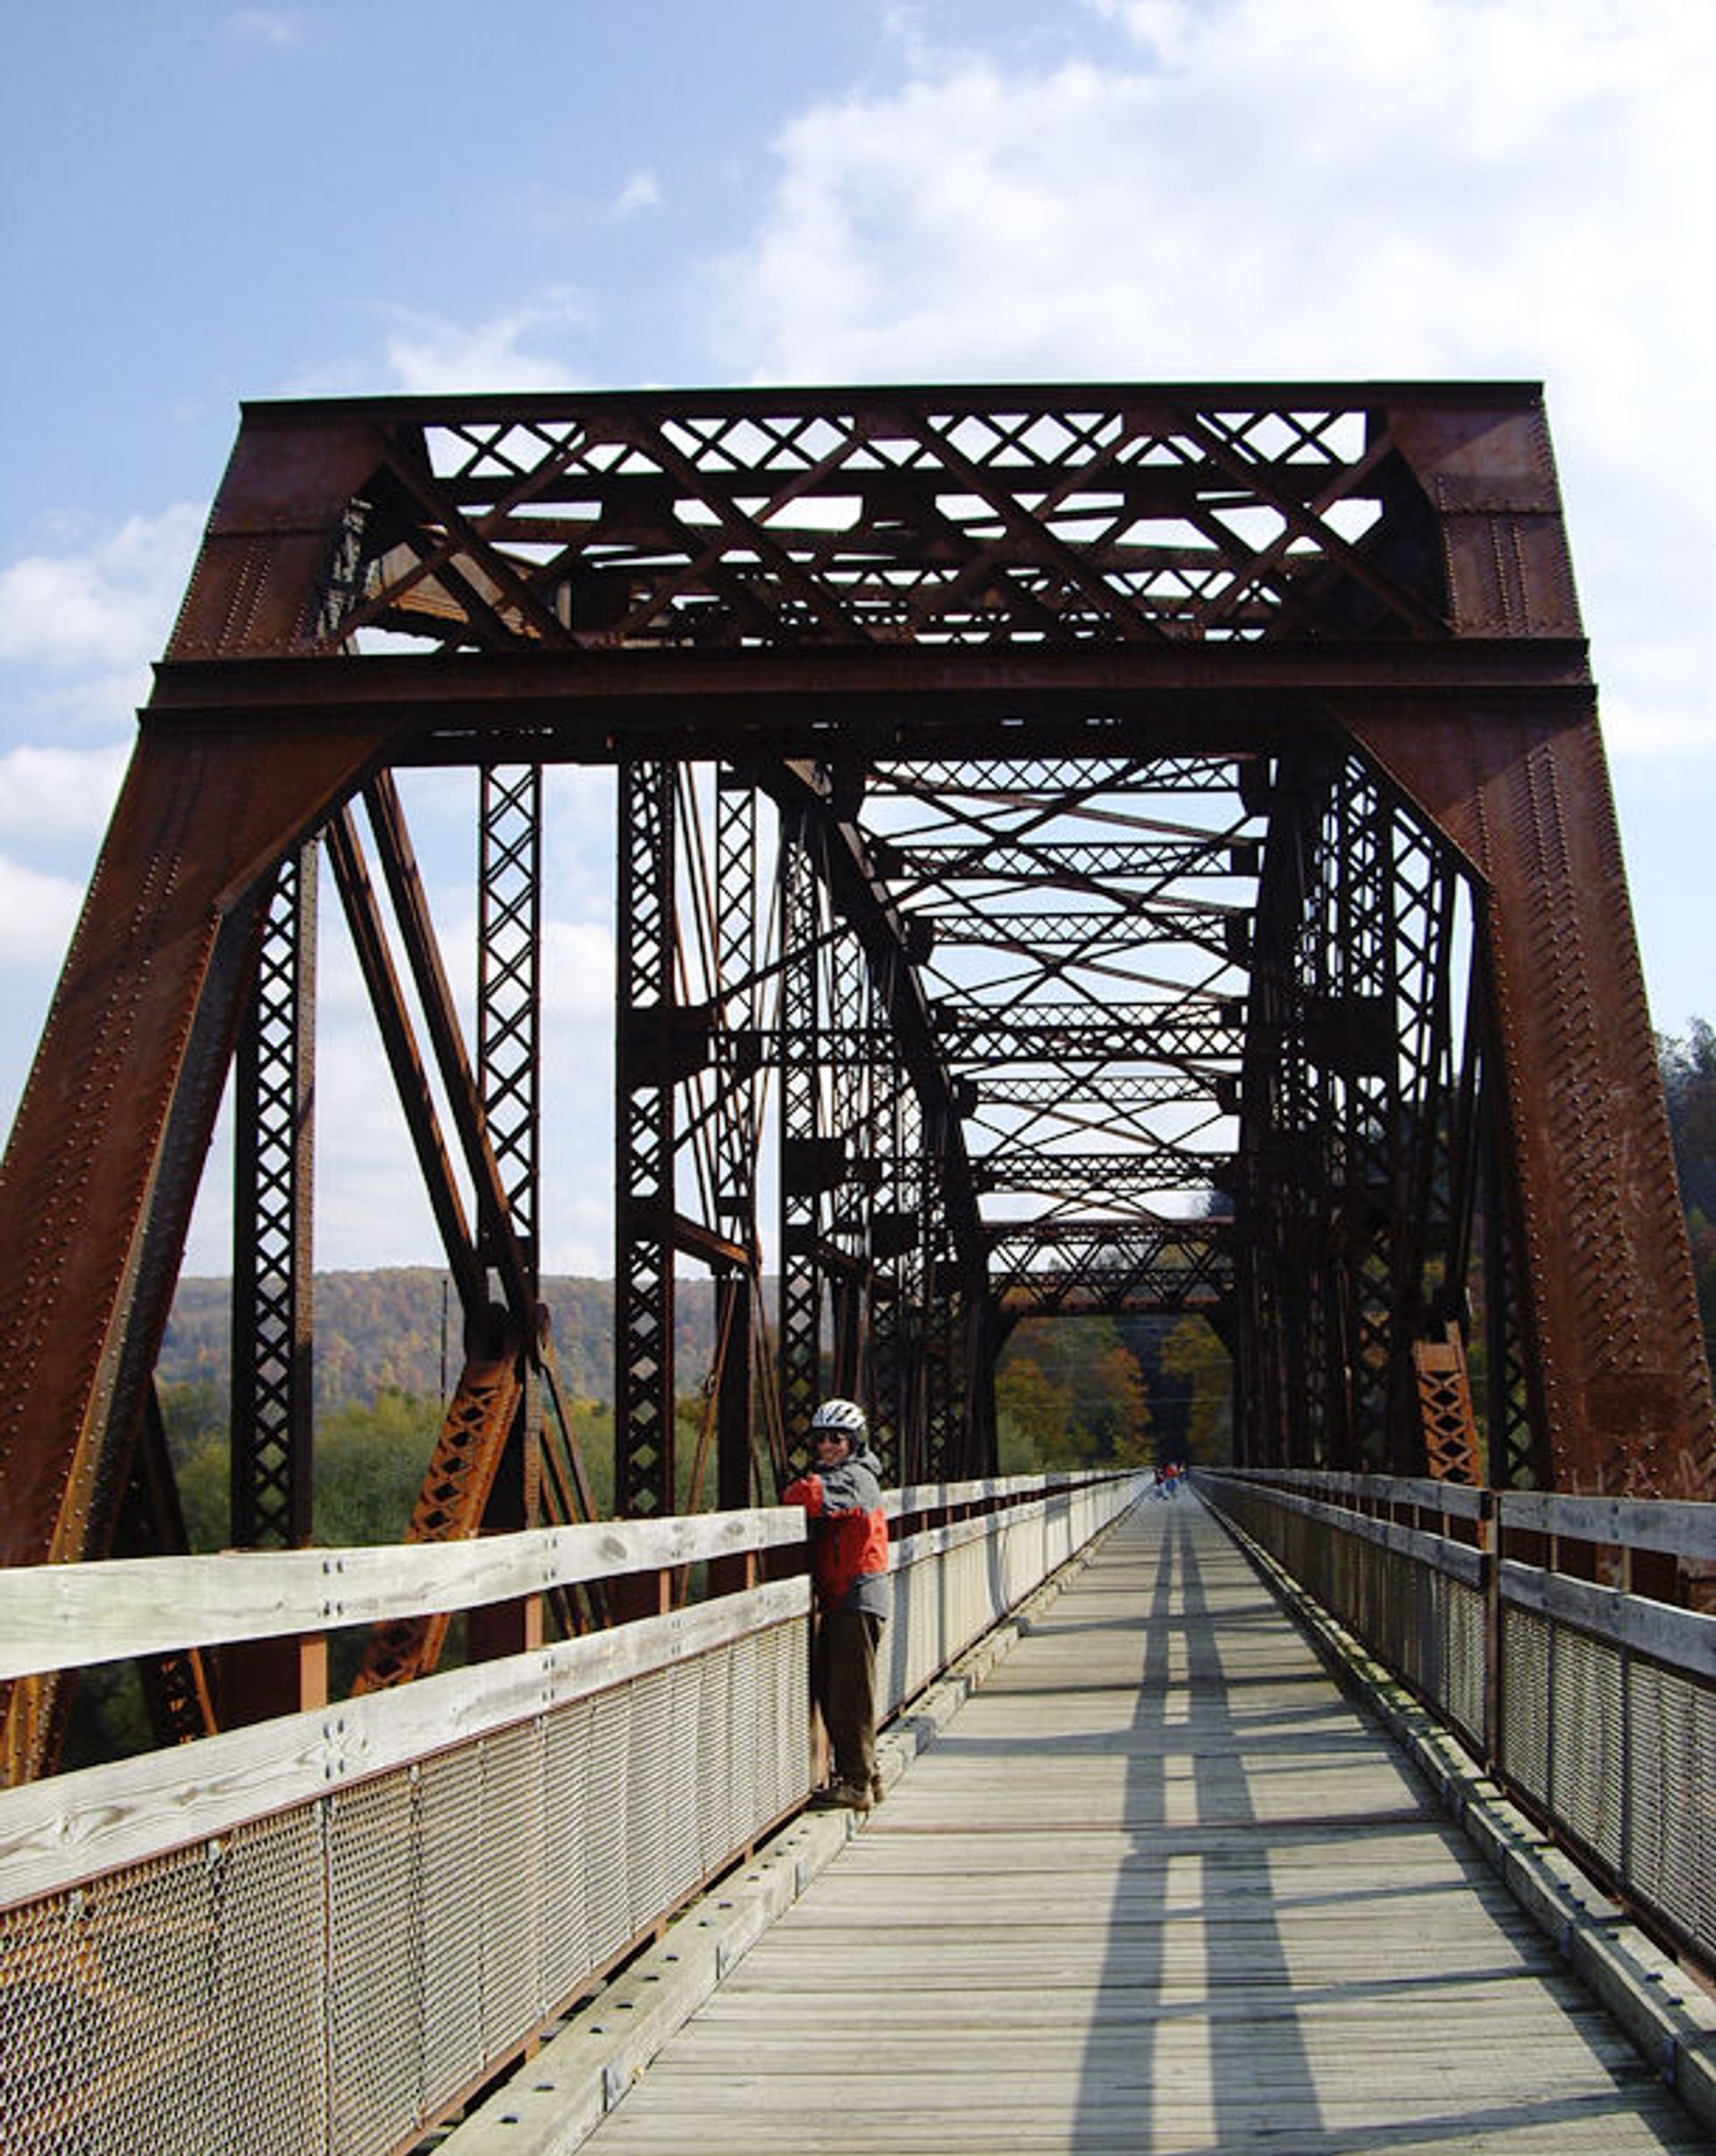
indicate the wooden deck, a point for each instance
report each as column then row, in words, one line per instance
column 1159, row 1887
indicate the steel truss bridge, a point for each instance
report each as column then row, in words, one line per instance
column 1138, row 848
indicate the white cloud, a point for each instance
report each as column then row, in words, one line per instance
column 577, row 976
column 1435, row 188
column 1288, row 187
column 109, row 605
column 38, row 914
column 640, row 192
column 60, row 793
column 429, row 357
column 521, row 349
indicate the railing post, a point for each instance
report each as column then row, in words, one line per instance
column 261, row 1679
column 1490, row 1538
column 499, row 1629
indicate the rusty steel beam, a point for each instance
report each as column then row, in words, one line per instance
column 272, row 1330
column 1616, row 1349
column 931, row 625
column 602, row 707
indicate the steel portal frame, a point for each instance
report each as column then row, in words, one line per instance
column 1154, row 854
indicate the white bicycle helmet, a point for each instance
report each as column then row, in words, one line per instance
column 843, row 1417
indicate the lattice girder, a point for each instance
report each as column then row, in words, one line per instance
column 937, row 594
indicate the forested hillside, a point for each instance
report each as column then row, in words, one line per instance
column 1689, row 1082
column 1116, row 1391
column 389, row 1330
column 1124, row 1391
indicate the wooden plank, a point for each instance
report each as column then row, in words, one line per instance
column 56, row 1834
column 1685, row 1639
column 936, row 1497
column 1156, row 1888
column 1460, row 1500
column 1680, row 1526
column 62, row 1616
column 66, row 1616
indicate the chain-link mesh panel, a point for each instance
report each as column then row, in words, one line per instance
column 682, row 1841
column 649, row 1810
column 606, row 1907
column 109, row 2006
column 1424, row 1597
column 1466, row 1656
column 270, row 1994
column 374, row 1962
column 511, row 1874
column 778, row 1678
column 894, row 1662
column 449, row 1798
column 914, row 1620
column 1527, row 1702
column 1670, row 1813
column 724, row 1811
column 568, row 1948
column 1587, row 1763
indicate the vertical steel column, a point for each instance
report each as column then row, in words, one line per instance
column 859, row 1027
column 1435, row 1181
column 899, row 1292
column 273, row 1405
column 944, row 1319
column 509, row 999
column 644, row 1134
column 1519, row 1455
column 1278, row 1243
column 509, row 1062
column 1357, row 1052
column 802, row 1161
column 738, row 1136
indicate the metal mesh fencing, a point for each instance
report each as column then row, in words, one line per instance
column 951, row 1585
column 325, row 1981
column 1614, row 1744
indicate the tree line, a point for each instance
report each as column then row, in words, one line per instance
column 1689, row 1087
column 1120, row 1391
column 1092, row 1391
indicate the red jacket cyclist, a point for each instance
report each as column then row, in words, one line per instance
column 848, row 1532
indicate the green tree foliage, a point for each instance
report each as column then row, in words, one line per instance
column 1689, row 1085
column 399, row 1328
column 1032, row 1412
column 1197, row 1363
column 369, row 1465
column 1070, row 1393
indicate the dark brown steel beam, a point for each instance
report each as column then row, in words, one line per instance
column 1612, row 1308
column 586, row 706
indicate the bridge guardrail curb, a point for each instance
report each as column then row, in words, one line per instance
column 554, row 2102
column 1660, row 2007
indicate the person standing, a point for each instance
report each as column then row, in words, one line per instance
column 848, row 1530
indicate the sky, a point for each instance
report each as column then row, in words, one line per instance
column 202, row 203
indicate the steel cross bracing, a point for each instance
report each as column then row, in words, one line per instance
column 273, row 1134
column 1115, row 849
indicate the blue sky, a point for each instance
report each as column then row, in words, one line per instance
column 202, row 203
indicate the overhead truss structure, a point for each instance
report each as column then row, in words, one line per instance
column 1090, row 850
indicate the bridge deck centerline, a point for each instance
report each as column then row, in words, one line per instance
column 1158, row 1885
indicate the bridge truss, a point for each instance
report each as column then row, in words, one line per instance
column 1092, row 849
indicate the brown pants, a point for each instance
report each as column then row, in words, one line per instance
column 842, row 1670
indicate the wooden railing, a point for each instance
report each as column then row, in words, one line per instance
column 1551, row 1633
column 315, row 1934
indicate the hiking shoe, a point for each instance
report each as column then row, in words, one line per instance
column 877, row 1788
column 841, row 1796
